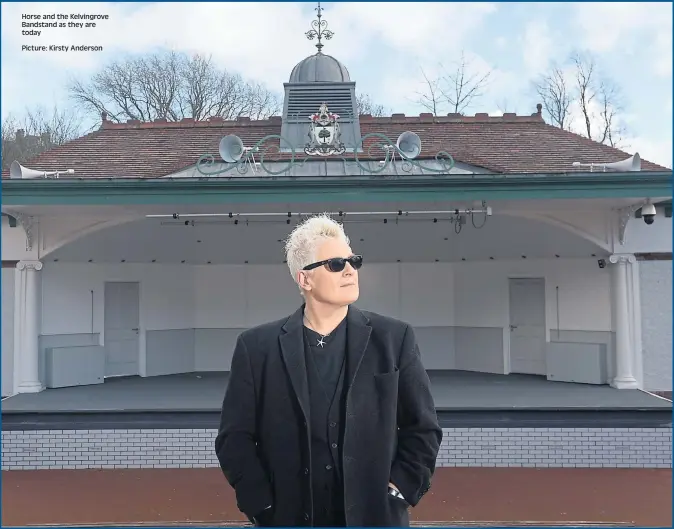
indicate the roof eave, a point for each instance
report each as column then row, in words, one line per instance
column 117, row 191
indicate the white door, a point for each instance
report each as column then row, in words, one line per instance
column 527, row 326
column 121, row 327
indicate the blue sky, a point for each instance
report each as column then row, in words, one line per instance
column 384, row 46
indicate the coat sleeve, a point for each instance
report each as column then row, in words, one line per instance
column 236, row 441
column 419, row 433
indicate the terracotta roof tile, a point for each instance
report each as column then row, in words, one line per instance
column 504, row 144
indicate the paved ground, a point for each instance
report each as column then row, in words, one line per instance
column 460, row 496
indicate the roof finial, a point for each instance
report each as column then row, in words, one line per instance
column 320, row 30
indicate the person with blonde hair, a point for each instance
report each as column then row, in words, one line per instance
column 328, row 418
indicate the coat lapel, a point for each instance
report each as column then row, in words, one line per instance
column 292, row 349
column 358, row 336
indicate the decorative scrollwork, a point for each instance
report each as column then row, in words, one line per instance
column 27, row 222
column 29, row 265
column 443, row 158
column 624, row 216
column 622, row 258
column 256, row 158
column 319, row 29
column 248, row 160
column 277, row 147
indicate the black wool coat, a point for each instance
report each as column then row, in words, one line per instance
column 391, row 431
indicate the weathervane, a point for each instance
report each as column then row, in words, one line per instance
column 320, row 30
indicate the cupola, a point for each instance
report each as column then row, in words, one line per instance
column 317, row 80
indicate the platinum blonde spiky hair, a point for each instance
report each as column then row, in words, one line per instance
column 303, row 242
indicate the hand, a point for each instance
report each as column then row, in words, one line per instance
column 395, row 491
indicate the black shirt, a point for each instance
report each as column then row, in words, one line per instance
column 328, row 357
column 325, row 359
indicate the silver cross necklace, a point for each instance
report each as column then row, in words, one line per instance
column 321, row 340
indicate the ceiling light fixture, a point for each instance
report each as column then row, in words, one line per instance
column 484, row 210
column 247, row 222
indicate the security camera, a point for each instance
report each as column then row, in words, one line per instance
column 648, row 213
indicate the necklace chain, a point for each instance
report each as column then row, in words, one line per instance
column 321, row 341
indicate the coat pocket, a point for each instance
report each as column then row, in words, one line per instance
column 398, row 512
column 386, row 382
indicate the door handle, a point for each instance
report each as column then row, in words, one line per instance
column 135, row 330
column 513, row 327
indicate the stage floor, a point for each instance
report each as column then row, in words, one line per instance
column 452, row 390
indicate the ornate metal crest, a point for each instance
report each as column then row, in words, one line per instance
column 324, row 134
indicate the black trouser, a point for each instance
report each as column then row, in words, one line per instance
column 329, row 507
column 334, row 519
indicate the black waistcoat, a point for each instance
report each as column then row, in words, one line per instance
column 325, row 375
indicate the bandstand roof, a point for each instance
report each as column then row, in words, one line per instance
column 507, row 144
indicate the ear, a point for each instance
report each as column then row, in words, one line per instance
column 303, row 280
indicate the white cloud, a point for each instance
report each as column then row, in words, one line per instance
column 423, row 30
column 663, row 53
column 626, row 27
column 262, row 41
column 396, row 89
column 508, row 92
column 537, row 46
column 657, row 151
column 241, row 36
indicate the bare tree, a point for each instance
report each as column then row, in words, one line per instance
column 581, row 86
column 584, row 74
column 172, row 86
column 37, row 132
column 555, row 97
column 601, row 119
column 365, row 105
column 614, row 130
column 464, row 86
column 430, row 97
column 455, row 90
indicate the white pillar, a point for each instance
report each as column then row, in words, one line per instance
column 624, row 378
column 28, row 326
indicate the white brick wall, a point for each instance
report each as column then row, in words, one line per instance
column 471, row 447
column 557, row 447
column 39, row 449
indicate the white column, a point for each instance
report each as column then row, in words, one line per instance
column 624, row 378
column 27, row 320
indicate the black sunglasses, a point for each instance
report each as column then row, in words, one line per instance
column 337, row 264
